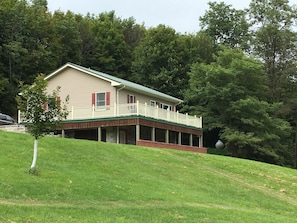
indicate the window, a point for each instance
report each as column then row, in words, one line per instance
column 52, row 103
column 166, row 107
column 153, row 103
column 131, row 99
column 100, row 100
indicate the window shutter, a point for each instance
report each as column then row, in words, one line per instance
column 128, row 98
column 107, row 98
column 134, row 99
column 93, row 99
column 173, row 108
column 45, row 106
column 59, row 102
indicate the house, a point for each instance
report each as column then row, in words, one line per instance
column 106, row 108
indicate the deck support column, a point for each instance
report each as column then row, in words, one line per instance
column 179, row 138
column 137, row 132
column 63, row 133
column 99, row 134
column 191, row 140
column 201, row 141
column 153, row 134
column 166, row 136
column 118, row 134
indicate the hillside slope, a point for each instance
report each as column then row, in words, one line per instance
column 86, row 181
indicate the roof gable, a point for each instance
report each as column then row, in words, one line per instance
column 115, row 82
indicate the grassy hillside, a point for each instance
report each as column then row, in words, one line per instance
column 85, row 181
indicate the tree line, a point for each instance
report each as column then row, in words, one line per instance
column 238, row 71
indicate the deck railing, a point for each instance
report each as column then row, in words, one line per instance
column 118, row 110
column 132, row 109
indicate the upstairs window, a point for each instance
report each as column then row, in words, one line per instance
column 101, row 100
column 153, row 103
column 166, row 107
column 131, row 99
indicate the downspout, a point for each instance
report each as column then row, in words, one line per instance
column 117, row 111
column 117, row 99
column 178, row 103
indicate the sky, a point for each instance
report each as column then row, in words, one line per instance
column 181, row 15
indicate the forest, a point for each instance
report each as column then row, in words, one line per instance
column 238, row 72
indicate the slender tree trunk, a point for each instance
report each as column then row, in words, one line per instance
column 295, row 154
column 33, row 165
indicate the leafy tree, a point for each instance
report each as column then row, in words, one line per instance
column 275, row 41
column 275, row 44
column 255, row 132
column 67, row 45
column 133, row 32
column 88, row 39
column 39, row 3
column 41, row 111
column 111, row 53
column 228, row 93
column 226, row 25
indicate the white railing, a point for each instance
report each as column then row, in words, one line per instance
column 132, row 109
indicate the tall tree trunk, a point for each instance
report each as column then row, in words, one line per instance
column 33, row 165
column 295, row 154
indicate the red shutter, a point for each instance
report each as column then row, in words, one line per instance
column 107, row 98
column 45, row 106
column 93, row 99
column 128, row 98
column 59, row 102
column 134, row 99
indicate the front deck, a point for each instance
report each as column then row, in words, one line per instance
column 135, row 123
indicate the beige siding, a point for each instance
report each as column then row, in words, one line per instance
column 142, row 98
column 80, row 86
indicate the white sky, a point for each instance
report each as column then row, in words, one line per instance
column 182, row 15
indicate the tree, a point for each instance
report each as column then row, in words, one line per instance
column 275, row 42
column 41, row 111
column 111, row 53
column 226, row 25
column 255, row 132
column 68, row 41
column 228, row 93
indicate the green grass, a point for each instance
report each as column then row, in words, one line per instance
column 86, row 181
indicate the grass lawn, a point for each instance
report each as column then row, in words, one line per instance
column 86, row 181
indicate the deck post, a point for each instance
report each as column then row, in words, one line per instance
column 201, row 141
column 137, row 134
column 118, row 134
column 191, row 140
column 153, row 135
column 145, row 107
column 166, row 136
column 72, row 112
column 99, row 134
column 115, row 112
column 179, row 138
column 137, row 108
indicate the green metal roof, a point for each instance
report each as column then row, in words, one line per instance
column 115, row 81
